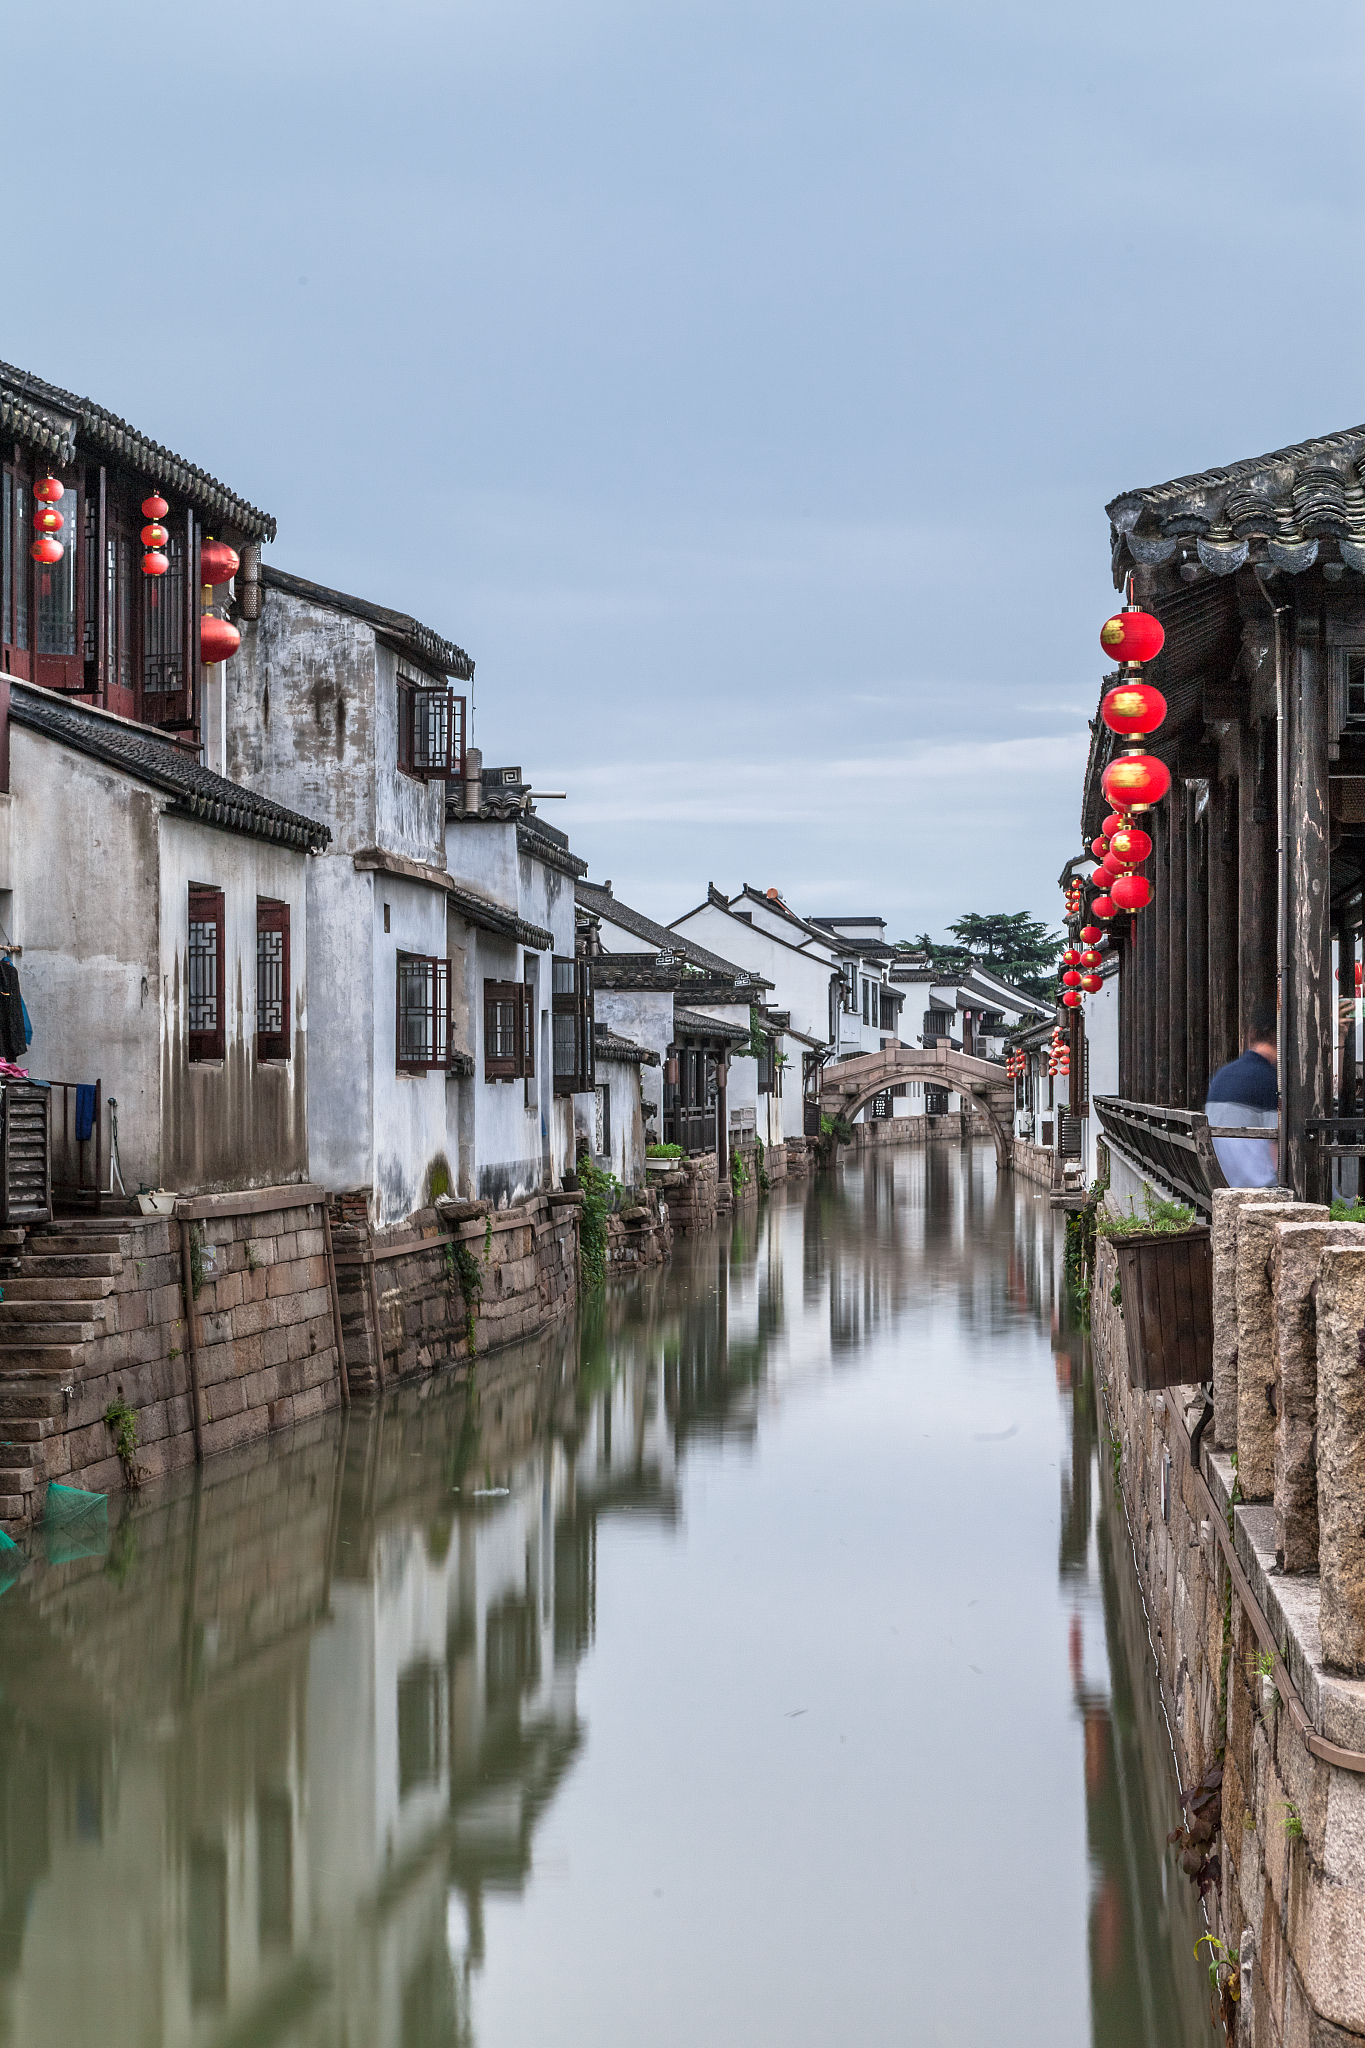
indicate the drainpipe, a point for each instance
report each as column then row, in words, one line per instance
column 473, row 780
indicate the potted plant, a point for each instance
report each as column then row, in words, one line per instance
column 1165, row 1260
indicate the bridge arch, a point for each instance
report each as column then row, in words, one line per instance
column 846, row 1086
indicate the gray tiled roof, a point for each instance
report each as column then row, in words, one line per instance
column 138, row 751
column 601, row 903
column 410, row 633
column 609, row 1045
column 696, row 1024
column 644, row 971
column 53, row 421
column 1278, row 507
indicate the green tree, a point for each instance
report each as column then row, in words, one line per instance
column 1011, row 943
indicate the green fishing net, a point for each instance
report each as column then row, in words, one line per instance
column 75, row 1524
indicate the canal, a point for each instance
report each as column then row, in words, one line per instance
column 760, row 1660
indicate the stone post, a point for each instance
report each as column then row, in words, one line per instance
column 1256, row 1339
column 1295, row 1257
column 1226, row 1203
column 1341, row 1458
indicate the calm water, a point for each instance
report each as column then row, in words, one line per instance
column 761, row 1662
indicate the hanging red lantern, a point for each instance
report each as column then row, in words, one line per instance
column 47, row 519
column 1103, row 907
column 48, row 491
column 1133, row 707
column 218, row 641
column 1132, row 845
column 1090, row 958
column 154, row 535
column 218, row 563
column 1091, row 983
column 1115, row 822
column 1069, row 956
column 1092, row 934
column 155, row 507
column 1132, row 892
column 1099, row 847
column 1073, row 999
column 1071, row 979
column 155, row 564
column 45, row 550
column 1136, row 780
column 1132, row 635
column 1108, row 871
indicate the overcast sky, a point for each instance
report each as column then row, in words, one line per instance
column 741, row 384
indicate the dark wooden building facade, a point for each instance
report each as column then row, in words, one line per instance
column 1257, row 573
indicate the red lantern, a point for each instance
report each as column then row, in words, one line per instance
column 45, row 550
column 1108, row 871
column 1099, row 847
column 1070, row 956
column 1103, row 907
column 1132, row 892
column 1092, row 934
column 47, row 519
column 155, row 507
column 1133, row 707
column 1132, row 845
column 1071, row 979
column 218, row 641
column 48, row 491
column 1136, row 780
column 154, row 565
column 1073, row 1000
column 218, row 563
column 1092, row 984
column 154, row 535
column 1115, row 822
column 1132, row 635
column 1090, row 958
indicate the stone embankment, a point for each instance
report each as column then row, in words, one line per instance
column 1248, row 1540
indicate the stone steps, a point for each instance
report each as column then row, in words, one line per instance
column 66, row 1308
column 71, row 1266
column 30, row 1287
column 26, row 1361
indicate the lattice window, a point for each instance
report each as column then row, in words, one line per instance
column 205, row 978
column 504, row 1024
column 272, row 980
column 573, row 1024
column 423, row 1020
column 431, row 722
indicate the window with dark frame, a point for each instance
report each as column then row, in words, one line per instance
column 572, row 1023
column 422, row 1027
column 504, row 1024
column 528, row 1028
column 431, row 725
column 272, row 980
column 205, row 975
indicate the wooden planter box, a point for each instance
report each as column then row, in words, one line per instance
column 1166, row 1278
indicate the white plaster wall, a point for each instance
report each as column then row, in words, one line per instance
column 410, row 1133
column 482, row 854
column 341, row 1073
column 86, row 881
column 410, row 816
column 645, row 1016
column 301, row 715
column 800, row 980
column 622, row 1079
column 1102, row 1040
column 511, row 1134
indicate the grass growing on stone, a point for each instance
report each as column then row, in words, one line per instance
column 1348, row 1212
column 1165, row 1218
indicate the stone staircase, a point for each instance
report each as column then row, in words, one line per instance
column 56, row 1287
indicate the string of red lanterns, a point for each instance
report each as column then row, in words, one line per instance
column 218, row 638
column 155, row 538
column 45, row 549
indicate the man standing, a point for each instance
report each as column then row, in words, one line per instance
column 1245, row 1094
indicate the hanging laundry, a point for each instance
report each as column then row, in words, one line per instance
column 85, row 1110
column 13, row 1043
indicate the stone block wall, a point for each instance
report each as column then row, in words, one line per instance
column 1291, row 1890
column 641, row 1234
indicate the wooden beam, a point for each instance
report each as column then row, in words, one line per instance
column 1197, row 942
column 1221, row 873
column 1347, row 955
column 1307, row 1017
column 1177, row 941
column 1160, row 914
column 1256, row 890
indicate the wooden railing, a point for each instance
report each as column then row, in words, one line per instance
column 1175, row 1146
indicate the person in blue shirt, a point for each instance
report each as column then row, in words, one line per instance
column 1245, row 1093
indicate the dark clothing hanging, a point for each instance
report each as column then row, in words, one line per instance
column 13, row 1043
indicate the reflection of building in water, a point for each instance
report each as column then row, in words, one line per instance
column 246, row 1763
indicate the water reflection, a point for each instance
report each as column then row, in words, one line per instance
column 301, row 1758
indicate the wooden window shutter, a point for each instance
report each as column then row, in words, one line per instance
column 564, row 1023
column 502, row 1029
column 528, row 1029
column 272, row 980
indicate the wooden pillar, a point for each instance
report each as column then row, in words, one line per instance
column 1176, row 939
column 1307, row 1013
column 1160, row 914
column 1221, row 854
column 1197, row 824
column 1144, row 933
column 1347, row 955
column 1125, row 953
column 1256, row 889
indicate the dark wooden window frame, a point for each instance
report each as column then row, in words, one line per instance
column 507, row 996
column 573, row 1022
column 424, row 979
column 431, row 731
column 206, row 907
column 273, row 917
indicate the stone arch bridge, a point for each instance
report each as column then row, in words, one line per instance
column 845, row 1085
